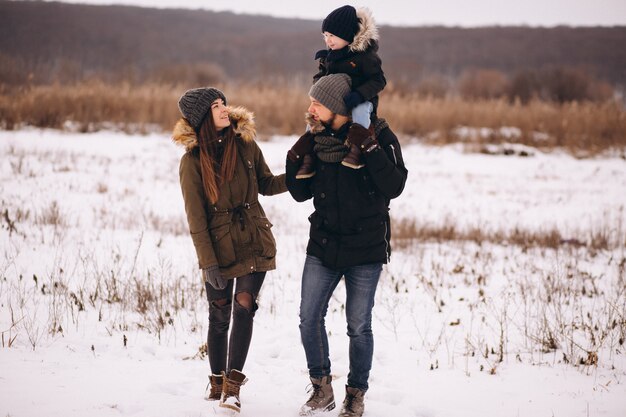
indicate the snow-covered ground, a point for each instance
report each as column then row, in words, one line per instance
column 102, row 311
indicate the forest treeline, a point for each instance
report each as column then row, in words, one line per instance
column 44, row 42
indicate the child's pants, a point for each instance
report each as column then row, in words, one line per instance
column 361, row 114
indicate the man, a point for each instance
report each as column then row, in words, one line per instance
column 349, row 234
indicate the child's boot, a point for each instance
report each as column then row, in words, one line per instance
column 307, row 169
column 353, row 159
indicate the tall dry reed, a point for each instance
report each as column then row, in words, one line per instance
column 582, row 128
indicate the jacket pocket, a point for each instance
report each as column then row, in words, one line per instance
column 223, row 245
column 372, row 232
column 265, row 242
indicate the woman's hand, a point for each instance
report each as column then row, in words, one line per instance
column 213, row 276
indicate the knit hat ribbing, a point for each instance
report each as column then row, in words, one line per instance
column 196, row 103
column 342, row 22
column 330, row 91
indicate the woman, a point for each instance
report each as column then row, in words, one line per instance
column 221, row 175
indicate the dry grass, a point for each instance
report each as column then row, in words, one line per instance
column 584, row 128
column 406, row 232
column 579, row 127
column 90, row 105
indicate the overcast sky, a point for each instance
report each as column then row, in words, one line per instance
column 420, row 12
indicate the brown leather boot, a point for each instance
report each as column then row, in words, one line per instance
column 230, row 392
column 214, row 388
column 307, row 169
column 353, row 404
column 322, row 397
column 353, row 159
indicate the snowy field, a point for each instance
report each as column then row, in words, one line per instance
column 102, row 311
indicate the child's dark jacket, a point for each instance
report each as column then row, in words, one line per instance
column 359, row 60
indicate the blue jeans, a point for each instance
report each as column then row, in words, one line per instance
column 318, row 284
column 361, row 114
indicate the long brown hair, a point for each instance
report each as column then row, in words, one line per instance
column 207, row 142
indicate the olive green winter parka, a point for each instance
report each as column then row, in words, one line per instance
column 234, row 233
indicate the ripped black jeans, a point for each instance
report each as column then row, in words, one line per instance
column 234, row 351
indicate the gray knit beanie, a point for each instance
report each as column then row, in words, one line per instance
column 330, row 91
column 196, row 103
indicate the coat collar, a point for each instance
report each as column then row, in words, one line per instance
column 242, row 119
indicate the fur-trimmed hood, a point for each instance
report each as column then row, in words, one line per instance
column 368, row 31
column 241, row 118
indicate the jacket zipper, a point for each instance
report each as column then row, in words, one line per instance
column 388, row 254
column 393, row 151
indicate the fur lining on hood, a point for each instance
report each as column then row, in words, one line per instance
column 241, row 118
column 368, row 31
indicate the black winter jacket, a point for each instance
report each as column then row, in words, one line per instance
column 350, row 225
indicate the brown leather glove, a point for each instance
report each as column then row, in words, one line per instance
column 303, row 146
column 361, row 137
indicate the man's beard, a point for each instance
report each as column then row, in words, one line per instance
column 329, row 123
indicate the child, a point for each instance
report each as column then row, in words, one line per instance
column 352, row 40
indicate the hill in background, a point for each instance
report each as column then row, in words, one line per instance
column 68, row 42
